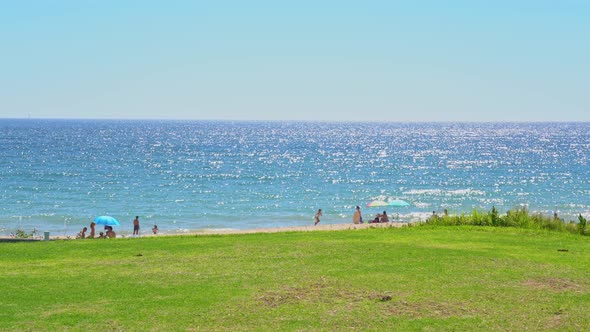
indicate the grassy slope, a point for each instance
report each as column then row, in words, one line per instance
column 421, row 278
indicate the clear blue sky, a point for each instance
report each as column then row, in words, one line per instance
column 471, row 60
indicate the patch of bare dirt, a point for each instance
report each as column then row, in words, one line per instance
column 432, row 309
column 556, row 321
column 553, row 284
column 389, row 303
column 316, row 291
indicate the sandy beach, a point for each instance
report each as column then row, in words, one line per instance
column 311, row 228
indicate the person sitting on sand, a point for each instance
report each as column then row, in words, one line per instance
column 357, row 218
column 384, row 217
column 155, row 229
column 377, row 218
column 110, row 233
column 101, row 235
column 82, row 233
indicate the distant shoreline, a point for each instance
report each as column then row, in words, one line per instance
column 311, row 228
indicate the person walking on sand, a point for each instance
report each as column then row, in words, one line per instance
column 357, row 218
column 136, row 226
column 317, row 217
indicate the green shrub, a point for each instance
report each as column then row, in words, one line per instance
column 495, row 220
column 21, row 234
column 581, row 225
column 519, row 217
column 480, row 219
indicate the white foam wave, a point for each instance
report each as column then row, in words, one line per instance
column 465, row 192
column 433, row 192
column 440, row 192
column 422, row 205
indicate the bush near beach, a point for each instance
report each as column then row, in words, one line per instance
column 427, row 278
column 519, row 217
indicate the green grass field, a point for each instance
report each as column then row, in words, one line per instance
column 413, row 278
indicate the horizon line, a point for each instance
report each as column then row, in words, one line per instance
column 293, row 120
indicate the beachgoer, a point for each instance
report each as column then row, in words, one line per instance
column 101, row 235
column 107, row 230
column 82, row 233
column 111, row 233
column 384, row 217
column 155, row 229
column 357, row 218
column 136, row 226
column 377, row 218
column 92, row 233
column 317, row 217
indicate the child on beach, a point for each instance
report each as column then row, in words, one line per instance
column 155, row 229
column 82, row 233
column 317, row 217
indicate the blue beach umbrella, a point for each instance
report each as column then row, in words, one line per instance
column 106, row 220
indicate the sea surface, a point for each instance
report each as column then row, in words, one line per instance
column 58, row 175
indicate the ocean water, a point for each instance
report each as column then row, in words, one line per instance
column 57, row 175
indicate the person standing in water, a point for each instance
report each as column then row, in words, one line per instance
column 317, row 217
column 136, row 226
